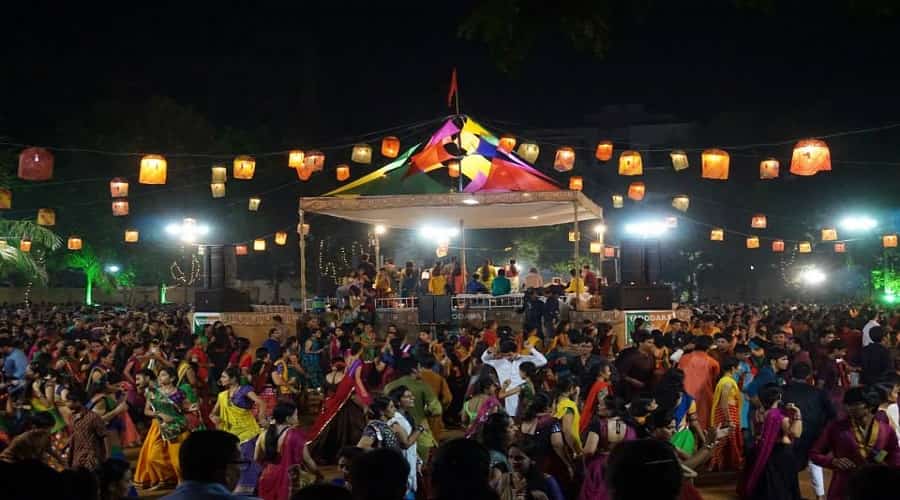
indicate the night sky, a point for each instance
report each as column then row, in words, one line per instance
column 272, row 78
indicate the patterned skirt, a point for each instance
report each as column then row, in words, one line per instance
column 729, row 454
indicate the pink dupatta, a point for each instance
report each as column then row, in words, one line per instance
column 488, row 407
column 771, row 434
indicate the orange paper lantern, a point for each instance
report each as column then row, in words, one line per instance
column 453, row 169
column 618, row 201
column 35, row 164
column 506, row 143
column 131, row 236
column 390, row 147
column 46, row 217
column 5, row 198
column 804, row 247
column 679, row 160
column 810, row 157
column 758, row 221
column 769, row 168
column 753, row 242
column 778, row 246
column 829, row 234
column 889, row 241
column 604, row 150
column 315, row 161
column 529, row 151
column 153, row 170
column 576, row 183
column 362, row 153
column 609, row 252
column 636, row 191
column 304, row 173
column 240, row 250
column 630, row 163
column 120, row 208
column 342, row 173
column 25, row 245
column 303, row 229
column 219, row 175
column 565, row 159
column 714, row 163
column 244, row 167
column 840, row 247
column 717, row 234
column 118, row 187
column 74, row 243
column 281, row 238
column 259, row 245
column 295, row 158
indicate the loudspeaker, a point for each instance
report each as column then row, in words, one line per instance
column 426, row 309
column 212, row 266
column 638, row 297
column 641, row 263
column 221, row 300
column 434, row 309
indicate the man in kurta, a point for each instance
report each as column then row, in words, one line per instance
column 700, row 374
column 426, row 402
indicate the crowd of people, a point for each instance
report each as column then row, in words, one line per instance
column 757, row 395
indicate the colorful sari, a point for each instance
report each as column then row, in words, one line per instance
column 593, row 487
column 192, row 414
column 599, row 390
column 312, row 365
column 684, row 438
column 487, row 407
column 342, row 419
column 564, row 406
column 729, row 454
column 773, row 475
column 275, row 479
column 158, row 460
column 236, row 417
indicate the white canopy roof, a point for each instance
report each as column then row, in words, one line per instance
column 476, row 210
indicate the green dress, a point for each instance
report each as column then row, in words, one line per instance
column 171, row 405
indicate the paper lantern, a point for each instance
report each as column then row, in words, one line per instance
column 804, row 247
column 453, row 168
column 679, row 160
column 259, row 245
column 604, row 150
column 596, row 247
column 342, row 173
column 295, row 158
column 758, row 221
column 565, row 159
column 46, row 217
column 244, row 167
column 840, row 247
column 778, row 246
column 889, row 241
column 529, row 151
column 131, row 236
column 315, row 161
column 681, row 202
column 219, row 175
column 5, row 198
column 217, row 189
column 35, row 164
column 442, row 251
column 618, row 201
column 25, row 245
column 304, row 173
column 281, row 238
column 240, row 250
column 362, row 153
column 714, row 163
column 576, row 183
column 390, row 147
column 74, row 243
column 753, row 242
column 574, row 236
column 153, row 170
column 810, row 157
column 609, row 252
column 769, row 168
column 120, row 208
column 253, row 203
column 636, row 191
column 671, row 222
column 303, row 229
column 118, row 187
column 717, row 234
column 630, row 163
column 506, row 143
column 829, row 234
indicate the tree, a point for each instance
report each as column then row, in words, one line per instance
column 90, row 264
column 29, row 264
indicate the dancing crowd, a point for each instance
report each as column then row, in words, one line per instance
column 755, row 396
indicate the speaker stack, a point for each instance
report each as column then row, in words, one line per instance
column 211, row 294
column 641, row 266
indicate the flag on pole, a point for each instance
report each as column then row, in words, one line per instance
column 453, row 89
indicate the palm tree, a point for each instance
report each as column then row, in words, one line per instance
column 88, row 262
column 31, row 264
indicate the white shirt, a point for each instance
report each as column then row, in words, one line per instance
column 866, row 339
column 410, row 453
column 509, row 370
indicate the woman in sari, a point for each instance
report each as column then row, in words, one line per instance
column 261, row 379
column 44, row 400
column 606, row 429
column 772, row 474
column 670, row 396
column 280, row 450
column 727, row 400
column 526, row 479
column 103, row 401
column 158, row 465
column 286, row 378
column 568, row 414
column 233, row 413
column 312, row 360
column 601, row 388
column 187, row 384
column 70, row 362
column 479, row 407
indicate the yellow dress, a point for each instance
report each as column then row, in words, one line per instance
column 564, row 406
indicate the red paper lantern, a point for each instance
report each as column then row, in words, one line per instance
column 120, row 208
column 576, row 183
column 636, row 191
column 118, row 187
column 342, row 173
column 390, row 147
column 506, row 143
column 240, row 250
column 758, row 221
column 36, row 164
column 565, row 159
column 609, row 252
column 778, row 246
column 714, row 163
column 304, row 173
column 604, row 150
column 840, row 247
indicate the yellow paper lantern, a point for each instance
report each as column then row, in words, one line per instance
column 131, row 236
column 778, row 246
column 636, row 191
column 840, row 247
column 153, row 170
column 390, row 147
column 281, row 238
column 303, row 229
column 609, row 252
column 565, row 159
column 442, row 251
column 529, row 151
column 362, row 153
column 810, row 157
column 679, row 160
column 25, row 245
column 118, row 187
column 315, row 161
column 120, row 208
column 604, row 150
column 342, row 173
column 5, row 198
column 240, row 250
column 253, row 203
column 304, row 173
column 804, row 247
column 889, row 241
column 219, row 175
column 769, row 168
column 681, row 202
column 46, row 217
column 259, row 245
column 717, row 234
column 618, row 201
column 506, row 143
column 753, row 242
column 295, row 158
column 758, row 221
column 576, row 183
column 244, row 167
column 574, row 236
column 596, row 247
column 714, row 163
column 829, row 234
column 453, row 169
column 630, row 163
column 74, row 243
column 217, row 189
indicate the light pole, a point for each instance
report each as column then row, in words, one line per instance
column 600, row 230
column 379, row 230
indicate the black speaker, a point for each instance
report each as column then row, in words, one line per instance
column 641, row 262
column 221, row 300
column 212, row 266
column 434, row 309
column 426, row 309
column 638, row 297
